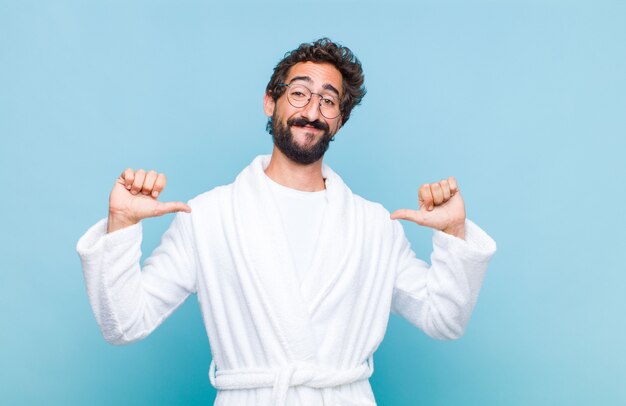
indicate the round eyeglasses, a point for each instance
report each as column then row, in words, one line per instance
column 299, row 96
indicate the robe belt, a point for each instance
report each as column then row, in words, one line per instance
column 281, row 379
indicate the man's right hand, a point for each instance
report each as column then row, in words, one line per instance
column 134, row 198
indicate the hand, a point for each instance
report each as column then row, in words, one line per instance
column 134, row 198
column 440, row 207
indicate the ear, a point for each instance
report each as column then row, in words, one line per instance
column 339, row 122
column 268, row 105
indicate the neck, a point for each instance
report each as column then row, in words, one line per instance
column 306, row 178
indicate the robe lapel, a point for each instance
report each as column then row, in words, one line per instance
column 269, row 262
column 335, row 243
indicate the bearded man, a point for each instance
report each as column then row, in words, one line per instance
column 296, row 276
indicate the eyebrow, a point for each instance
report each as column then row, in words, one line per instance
column 326, row 86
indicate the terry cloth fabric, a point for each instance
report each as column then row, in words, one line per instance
column 273, row 339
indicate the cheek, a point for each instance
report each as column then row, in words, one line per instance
column 284, row 105
column 286, row 111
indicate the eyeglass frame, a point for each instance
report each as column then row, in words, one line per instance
column 309, row 101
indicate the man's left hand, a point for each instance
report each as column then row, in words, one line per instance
column 440, row 207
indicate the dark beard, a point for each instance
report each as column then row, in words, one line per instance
column 283, row 139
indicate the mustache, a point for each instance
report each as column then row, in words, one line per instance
column 301, row 122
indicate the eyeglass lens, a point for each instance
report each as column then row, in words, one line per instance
column 299, row 96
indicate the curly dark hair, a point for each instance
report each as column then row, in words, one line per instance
column 324, row 50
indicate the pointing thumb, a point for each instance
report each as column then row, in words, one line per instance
column 411, row 215
column 172, row 207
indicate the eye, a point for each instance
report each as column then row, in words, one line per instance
column 328, row 102
column 298, row 94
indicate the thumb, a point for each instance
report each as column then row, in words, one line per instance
column 171, row 207
column 408, row 214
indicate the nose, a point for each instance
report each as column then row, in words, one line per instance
column 312, row 110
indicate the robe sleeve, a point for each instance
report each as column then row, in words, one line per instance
column 128, row 301
column 439, row 298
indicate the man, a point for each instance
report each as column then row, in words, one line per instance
column 295, row 275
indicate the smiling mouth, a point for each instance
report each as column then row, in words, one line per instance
column 310, row 127
column 307, row 127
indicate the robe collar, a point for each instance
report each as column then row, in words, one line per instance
column 289, row 303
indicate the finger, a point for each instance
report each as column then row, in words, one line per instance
column 437, row 193
column 171, row 207
column 453, row 185
column 159, row 185
column 140, row 175
column 408, row 214
column 425, row 197
column 148, row 182
column 128, row 176
column 445, row 188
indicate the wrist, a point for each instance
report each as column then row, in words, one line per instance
column 456, row 230
column 118, row 221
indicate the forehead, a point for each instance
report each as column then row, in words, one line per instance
column 319, row 74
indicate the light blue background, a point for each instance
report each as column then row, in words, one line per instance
column 524, row 102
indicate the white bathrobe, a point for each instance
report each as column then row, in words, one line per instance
column 276, row 341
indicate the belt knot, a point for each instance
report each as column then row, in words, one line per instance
column 281, row 379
